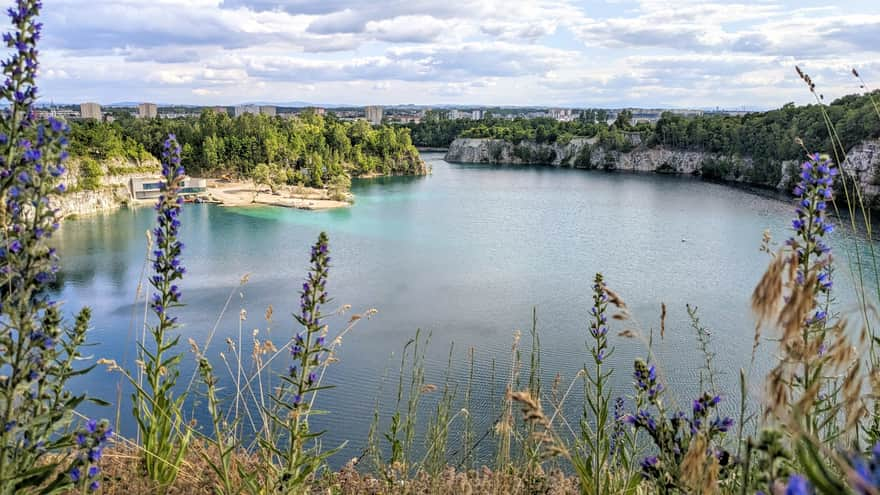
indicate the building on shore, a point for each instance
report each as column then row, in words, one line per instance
column 268, row 110
column 90, row 111
column 147, row 111
column 374, row 114
column 245, row 109
column 152, row 187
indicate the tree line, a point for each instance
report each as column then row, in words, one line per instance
column 768, row 137
column 309, row 149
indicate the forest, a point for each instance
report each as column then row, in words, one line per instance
column 310, row 149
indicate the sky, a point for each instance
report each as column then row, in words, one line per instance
column 612, row 53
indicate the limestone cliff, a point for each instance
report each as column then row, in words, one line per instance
column 100, row 187
column 863, row 161
column 82, row 203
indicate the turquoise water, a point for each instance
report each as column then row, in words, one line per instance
column 465, row 254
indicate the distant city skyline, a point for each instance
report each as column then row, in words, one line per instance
column 550, row 53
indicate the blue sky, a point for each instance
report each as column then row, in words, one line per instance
column 492, row 52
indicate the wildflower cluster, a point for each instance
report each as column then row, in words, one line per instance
column 599, row 321
column 308, row 352
column 158, row 411
column 646, row 380
column 862, row 477
column 310, row 344
column 867, row 472
column 617, row 429
column 37, row 353
column 20, row 68
column 91, row 442
column 166, row 256
column 678, row 436
column 814, row 192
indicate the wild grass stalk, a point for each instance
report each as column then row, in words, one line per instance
column 222, row 437
column 468, row 437
column 401, row 432
column 437, row 437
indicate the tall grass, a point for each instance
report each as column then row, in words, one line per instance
column 807, row 434
column 816, row 431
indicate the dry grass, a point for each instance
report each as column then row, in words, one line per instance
column 123, row 475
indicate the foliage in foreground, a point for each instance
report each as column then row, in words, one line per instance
column 816, row 430
column 42, row 450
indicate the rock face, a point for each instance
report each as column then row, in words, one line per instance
column 113, row 191
column 863, row 161
column 81, row 203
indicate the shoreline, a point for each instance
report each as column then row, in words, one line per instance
column 241, row 194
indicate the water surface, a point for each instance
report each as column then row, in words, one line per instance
column 464, row 254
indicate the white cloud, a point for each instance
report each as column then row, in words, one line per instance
column 685, row 52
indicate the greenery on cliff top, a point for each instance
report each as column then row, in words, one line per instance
column 765, row 136
column 311, row 150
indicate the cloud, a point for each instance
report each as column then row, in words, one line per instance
column 344, row 21
column 495, row 51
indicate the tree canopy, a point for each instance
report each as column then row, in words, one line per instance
column 309, row 149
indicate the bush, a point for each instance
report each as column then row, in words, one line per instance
column 90, row 174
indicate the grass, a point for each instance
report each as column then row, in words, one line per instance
column 814, row 430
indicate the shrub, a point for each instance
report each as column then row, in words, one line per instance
column 90, row 174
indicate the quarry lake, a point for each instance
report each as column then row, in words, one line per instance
column 464, row 254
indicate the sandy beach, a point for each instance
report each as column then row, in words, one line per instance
column 233, row 193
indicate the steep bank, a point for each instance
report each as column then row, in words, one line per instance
column 98, row 187
column 84, row 203
column 863, row 161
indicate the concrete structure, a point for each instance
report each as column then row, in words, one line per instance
column 562, row 114
column 688, row 113
column 147, row 111
column 374, row 114
column 152, row 187
column 477, row 115
column 645, row 116
column 220, row 110
column 243, row 109
column 318, row 110
column 90, row 111
column 267, row 110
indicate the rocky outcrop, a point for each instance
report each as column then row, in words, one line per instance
column 110, row 186
column 863, row 161
column 82, row 203
column 470, row 150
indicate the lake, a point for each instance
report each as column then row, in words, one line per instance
column 465, row 254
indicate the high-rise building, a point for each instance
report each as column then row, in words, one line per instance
column 90, row 111
column 374, row 114
column 476, row 115
column 148, row 111
column 561, row 114
column 243, row 109
column 268, row 110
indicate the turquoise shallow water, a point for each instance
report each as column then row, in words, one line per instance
column 465, row 254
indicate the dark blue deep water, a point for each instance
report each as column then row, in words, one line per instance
column 465, row 254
